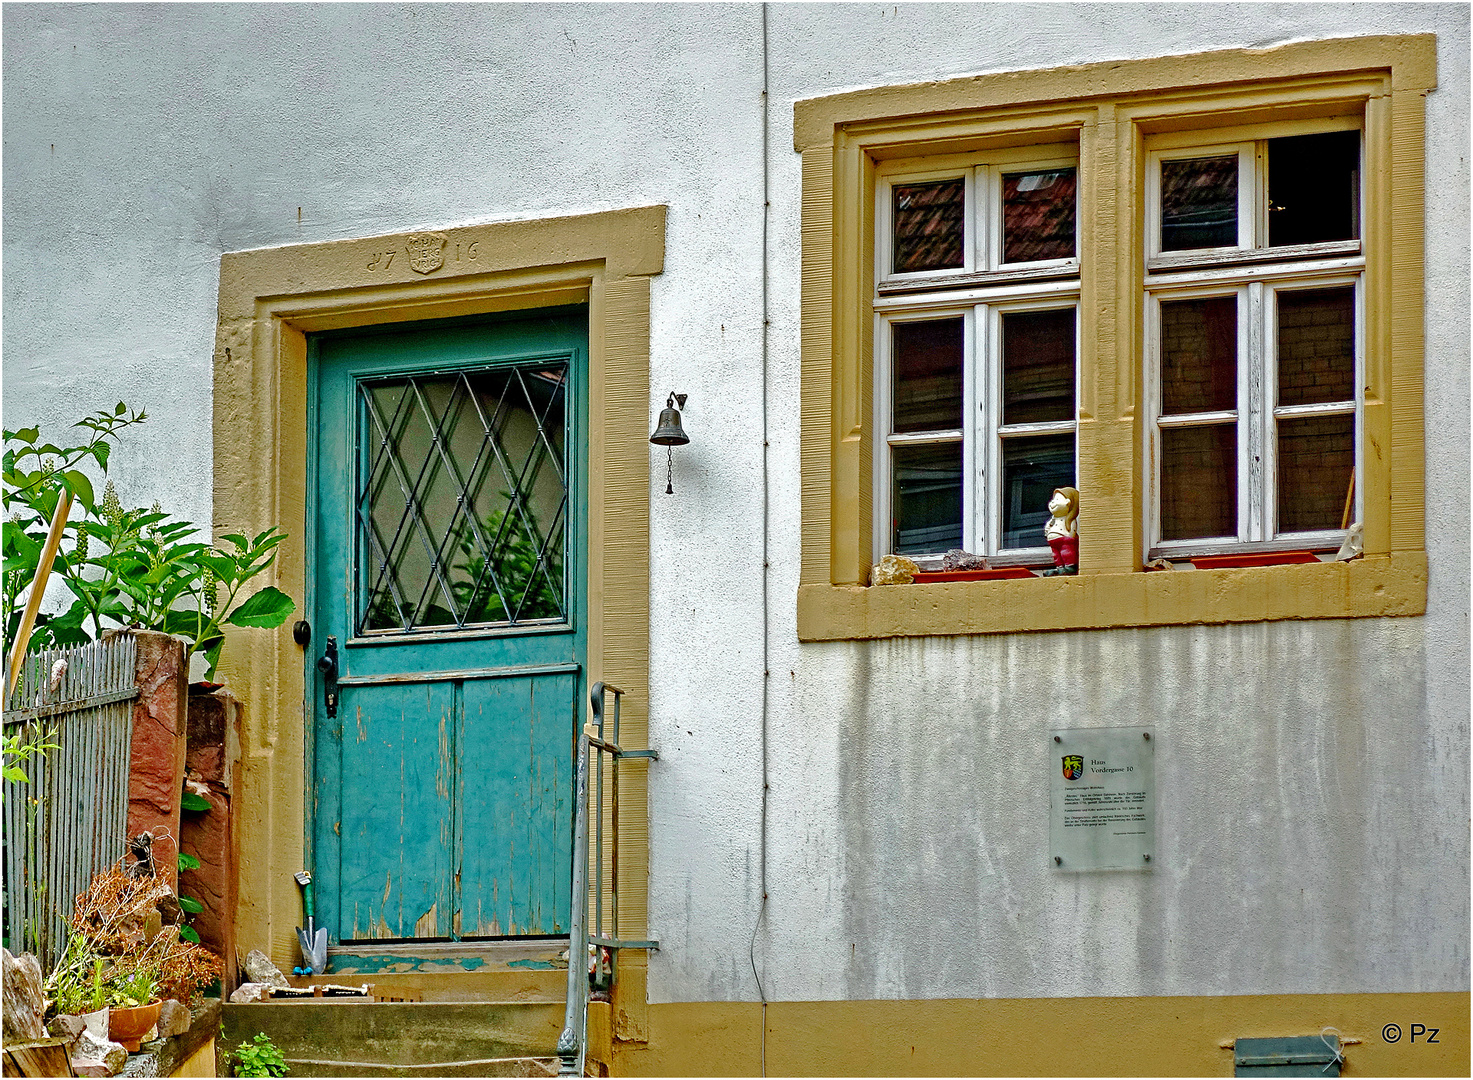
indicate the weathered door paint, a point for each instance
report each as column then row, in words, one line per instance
column 447, row 558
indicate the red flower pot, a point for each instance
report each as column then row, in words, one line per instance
column 128, row 1026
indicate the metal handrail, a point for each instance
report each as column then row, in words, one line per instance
column 572, row 1044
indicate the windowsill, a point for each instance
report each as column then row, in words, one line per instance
column 1185, row 550
column 1369, row 587
column 1006, row 275
column 1169, row 262
column 1037, row 558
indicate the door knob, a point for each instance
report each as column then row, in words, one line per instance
column 327, row 663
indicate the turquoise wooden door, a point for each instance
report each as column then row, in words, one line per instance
column 447, row 565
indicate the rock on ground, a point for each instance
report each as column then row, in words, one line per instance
column 957, row 559
column 94, row 1058
column 173, row 1019
column 96, row 1023
column 260, row 969
column 250, row 992
column 69, row 1028
column 893, row 570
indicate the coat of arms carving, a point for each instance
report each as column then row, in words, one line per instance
column 426, row 251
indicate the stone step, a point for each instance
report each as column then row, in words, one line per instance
column 510, row 985
column 350, row 1037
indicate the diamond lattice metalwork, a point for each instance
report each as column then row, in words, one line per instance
column 462, row 503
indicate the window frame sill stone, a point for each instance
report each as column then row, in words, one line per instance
column 1375, row 586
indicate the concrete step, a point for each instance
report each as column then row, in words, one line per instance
column 348, row 1037
column 523, row 1066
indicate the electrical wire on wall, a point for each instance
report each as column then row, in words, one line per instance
column 766, row 564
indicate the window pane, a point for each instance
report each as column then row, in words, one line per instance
column 1314, row 188
column 1199, row 355
column 929, row 226
column 1038, row 366
column 1316, row 460
column 1316, row 346
column 1199, row 482
column 1032, row 467
column 928, row 498
column 1038, row 215
column 462, row 505
column 1199, row 203
column 928, row 375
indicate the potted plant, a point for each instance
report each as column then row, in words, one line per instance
column 133, row 1001
column 119, row 958
column 87, row 983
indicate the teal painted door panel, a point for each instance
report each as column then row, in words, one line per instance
column 515, row 867
column 398, row 822
column 448, row 536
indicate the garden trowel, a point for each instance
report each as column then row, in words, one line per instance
column 312, row 940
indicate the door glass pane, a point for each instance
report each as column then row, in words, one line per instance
column 1314, row 188
column 1316, row 462
column 462, row 500
column 1038, row 215
column 1199, row 203
column 1038, row 366
column 930, row 225
column 927, row 498
column 1032, row 466
column 1316, row 346
column 1199, row 355
column 928, row 375
column 1199, row 482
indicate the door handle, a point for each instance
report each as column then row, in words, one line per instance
column 327, row 663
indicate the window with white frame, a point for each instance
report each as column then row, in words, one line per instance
column 1254, row 341
column 976, row 298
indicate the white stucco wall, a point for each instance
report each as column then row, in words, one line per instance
column 1313, row 777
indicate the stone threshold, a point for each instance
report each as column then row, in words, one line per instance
column 360, row 959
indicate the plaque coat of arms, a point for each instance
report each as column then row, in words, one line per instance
column 426, row 252
column 1073, row 766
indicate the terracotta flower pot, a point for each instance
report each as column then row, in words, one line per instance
column 128, row 1026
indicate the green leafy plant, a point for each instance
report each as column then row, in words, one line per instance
column 129, row 989
column 189, row 903
column 531, row 578
column 259, row 1057
column 72, row 986
column 189, row 802
column 35, row 475
column 84, row 981
column 20, row 747
column 126, row 567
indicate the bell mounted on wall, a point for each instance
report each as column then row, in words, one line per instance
column 669, row 433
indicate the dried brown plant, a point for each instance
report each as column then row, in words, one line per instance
column 119, row 916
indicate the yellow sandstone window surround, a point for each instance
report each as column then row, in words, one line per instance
column 919, row 265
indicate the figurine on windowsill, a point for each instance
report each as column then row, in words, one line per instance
column 1063, row 532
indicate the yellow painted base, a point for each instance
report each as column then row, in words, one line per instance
column 200, row 1063
column 1115, row 1036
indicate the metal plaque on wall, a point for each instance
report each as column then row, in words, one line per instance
column 1102, row 798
